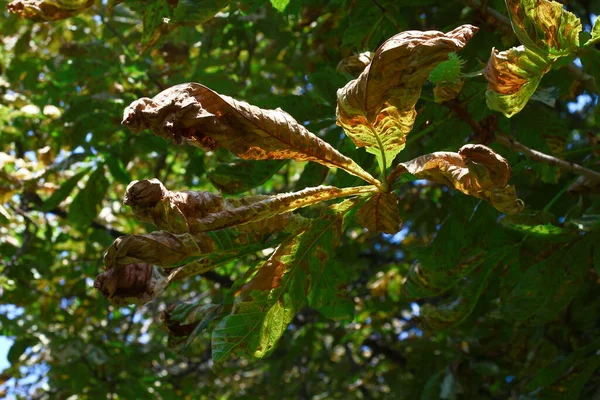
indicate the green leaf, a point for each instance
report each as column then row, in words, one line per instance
column 117, row 170
column 269, row 296
column 538, row 223
column 457, row 308
column 266, row 304
column 545, row 26
column 280, row 5
column 86, row 204
column 312, row 175
column 65, row 189
column 194, row 12
column 595, row 33
column 548, row 33
column 242, row 175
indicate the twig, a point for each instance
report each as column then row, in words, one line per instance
column 576, row 73
column 510, row 142
column 543, row 158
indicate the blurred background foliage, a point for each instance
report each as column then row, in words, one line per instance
column 462, row 303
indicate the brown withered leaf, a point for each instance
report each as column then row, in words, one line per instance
column 380, row 213
column 159, row 248
column 48, row 10
column 209, row 120
column 377, row 110
column 355, row 64
column 475, row 170
column 135, row 283
column 195, row 212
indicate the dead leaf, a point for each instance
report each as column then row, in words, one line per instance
column 44, row 10
column 196, row 212
column 380, row 213
column 475, row 170
column 209, row 120
column 355, row 64
column 135, row 283
column 377, row 110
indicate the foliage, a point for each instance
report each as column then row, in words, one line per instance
column 285, row 261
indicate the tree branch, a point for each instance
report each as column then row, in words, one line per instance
column 510, row 142
column 490, row 132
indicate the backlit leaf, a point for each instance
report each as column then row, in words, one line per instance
column 209, row 120
column 380, row 213
column 377, row 110
column 547, row 33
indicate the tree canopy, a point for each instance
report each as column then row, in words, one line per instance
column 371, row 199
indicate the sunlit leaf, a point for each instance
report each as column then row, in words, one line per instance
column 377, row 110
column 209, row 120
column 547, row 33
column 204, row 211
column 475, row 170
column 47, row 10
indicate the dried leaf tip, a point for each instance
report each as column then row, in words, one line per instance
column 135, row 283
column 144, row 193
column 42, row 10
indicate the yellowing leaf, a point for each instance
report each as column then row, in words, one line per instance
column 209, row 120
column 513, row 76
column 475, row 170
column 547, row 33
column 196, row 212
column 544, row 26
column 48, row 10
column 595, row 33
column 380, row 213
column 377, row 110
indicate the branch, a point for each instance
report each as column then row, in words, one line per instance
column 576, row 73
column 490, row 131
column 508, row 141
